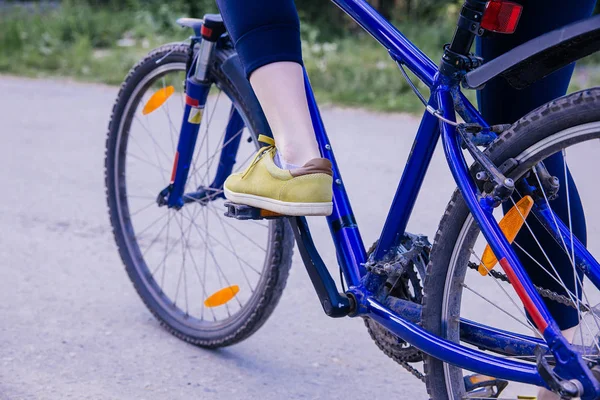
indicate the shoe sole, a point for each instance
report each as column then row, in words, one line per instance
column 280, row 207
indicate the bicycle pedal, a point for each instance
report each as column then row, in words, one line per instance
column 482, row 386
column 244, row 212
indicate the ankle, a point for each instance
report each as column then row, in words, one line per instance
column 298, row 156
column 283, row 163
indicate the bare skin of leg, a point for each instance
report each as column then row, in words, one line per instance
column 279, row 88
column 545, row 394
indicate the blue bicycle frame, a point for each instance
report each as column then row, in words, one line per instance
column 445, row 98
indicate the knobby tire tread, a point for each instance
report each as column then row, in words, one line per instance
column 565, row 112
column 282, row 243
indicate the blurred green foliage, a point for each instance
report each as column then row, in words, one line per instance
column 100, row 40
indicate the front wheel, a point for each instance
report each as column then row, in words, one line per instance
column 178, row 259
column 560, row 133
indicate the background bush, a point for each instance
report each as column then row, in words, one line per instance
column 100, row 40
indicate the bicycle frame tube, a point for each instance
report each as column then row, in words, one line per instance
column 570, row 365
column 342, row 225
column 195, row 99
column 350, row 248
column 400, row 48
column 445, row 97
column 410, row 183
column 229, row 149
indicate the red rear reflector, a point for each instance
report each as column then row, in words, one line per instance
column 205, row 31
column 501, row 16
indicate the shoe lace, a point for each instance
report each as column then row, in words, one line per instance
column 264, row 150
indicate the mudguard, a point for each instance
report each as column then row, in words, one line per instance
column 232, row 68
column 539, row 57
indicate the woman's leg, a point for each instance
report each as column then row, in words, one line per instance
column 266, row 34
column 500, row 103
column 290, row 179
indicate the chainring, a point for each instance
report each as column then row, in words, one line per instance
column 406, row 287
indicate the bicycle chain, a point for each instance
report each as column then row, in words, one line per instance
column 547, row 293
column 393, row 355
column 386, row 345
column 415, row 372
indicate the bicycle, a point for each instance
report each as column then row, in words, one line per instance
column 408, row 322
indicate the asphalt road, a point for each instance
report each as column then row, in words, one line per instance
column 72, row 324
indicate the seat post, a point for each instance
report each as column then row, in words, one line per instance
column 468, row 26
column 211, row 30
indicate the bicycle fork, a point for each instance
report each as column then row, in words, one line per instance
column 197, row 88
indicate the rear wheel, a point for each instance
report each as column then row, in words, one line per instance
column 453, row 289
column 177, row 259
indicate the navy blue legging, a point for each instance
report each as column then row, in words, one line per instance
column 266, row 31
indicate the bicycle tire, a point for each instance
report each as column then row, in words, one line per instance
column 539, row 126
column 278, row 257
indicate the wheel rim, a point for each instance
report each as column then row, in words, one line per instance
column 145, row 236
column 470, row 236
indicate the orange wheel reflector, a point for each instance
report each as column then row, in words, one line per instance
column 510, row 224
column 222, row 296
column 478, row 378
column 158, row 99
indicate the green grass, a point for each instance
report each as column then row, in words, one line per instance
column 81, row 42
column 357, row 71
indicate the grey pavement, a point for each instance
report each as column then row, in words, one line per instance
column 73, row 326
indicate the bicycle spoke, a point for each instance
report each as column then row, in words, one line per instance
column 210, row 159
column 542, row 267
column 202, row 281
column 212, row 196
column 136, row 196
column 208, row 248
column 564, row 248
column 157, row 236
column 161, row 169
column 147, row 155
column 167, row 253
column 151, row 136
column 182, row 268
column 172, row 127
column 519, row 308
column 237, row 230
column 152, row 203
column 496, row 306
column 553, row 215
column 162, row 277
column 150, row 226
column 198, row 152
column 236, row 255
column 227, row 249
column 556, row 277
column 184, row 246
column 204, row 137
column 575, row 276
column 562, row 283
column 219, row 269
column 244, row 163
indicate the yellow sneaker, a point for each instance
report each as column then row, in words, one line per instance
column 299, row 192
